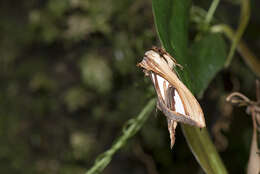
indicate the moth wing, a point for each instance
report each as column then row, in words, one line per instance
column 166, row 93
column 191, row 105
column 158, row 67
column 182, row 108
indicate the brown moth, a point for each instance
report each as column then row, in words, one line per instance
column 174, row 99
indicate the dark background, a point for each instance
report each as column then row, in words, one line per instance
column 69, row 82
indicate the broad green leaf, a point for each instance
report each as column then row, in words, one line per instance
column 171, row 20
column 204, row 150
column 207, row 57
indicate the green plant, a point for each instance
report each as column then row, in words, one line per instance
column 202, row 59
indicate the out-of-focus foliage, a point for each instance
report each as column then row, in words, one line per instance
column 68, row 82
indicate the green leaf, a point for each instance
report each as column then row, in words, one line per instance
column 207, row 57
column 171, row 20
column 204, row 150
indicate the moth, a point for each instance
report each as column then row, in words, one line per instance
column 174, row 99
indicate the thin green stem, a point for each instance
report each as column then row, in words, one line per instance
column 197, row 16
column 129, row 130
column 248, row 56
column 211, row 12
column 244, row 18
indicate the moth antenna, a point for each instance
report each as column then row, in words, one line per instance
column 163, row 51
column 180, row 66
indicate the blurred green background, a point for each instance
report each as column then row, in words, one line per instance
column 69, row 82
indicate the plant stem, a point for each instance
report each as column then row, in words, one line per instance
column 211, row 12
column 244, row 18
column 131, row 128
column 248, row 56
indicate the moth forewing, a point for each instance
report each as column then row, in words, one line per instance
column 183, row 112
column 159, row 67
column 190, row 104
column 178, row 103
column 178, row 111
column 161, row 83
column 166, row 92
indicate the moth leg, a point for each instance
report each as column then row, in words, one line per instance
column 173, row 115
column 158, row 106
column 170, row 103
column 171, row 128
column 180, row 66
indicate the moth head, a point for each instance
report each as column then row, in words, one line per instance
column 160, row 55
column 157, row 61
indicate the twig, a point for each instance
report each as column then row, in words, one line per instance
column 244, row 18
column 253, row 109
column 211, row 12
column 133, row 126
column 248, row 56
